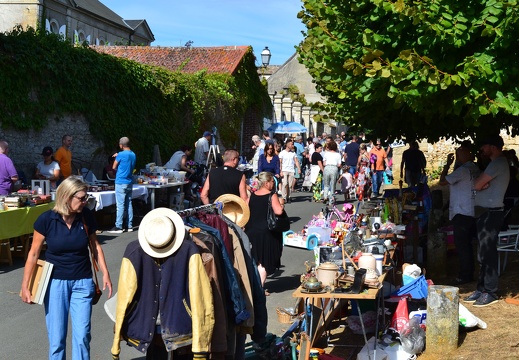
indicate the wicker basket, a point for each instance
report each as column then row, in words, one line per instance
column 284, row 317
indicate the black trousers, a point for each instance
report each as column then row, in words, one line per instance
column 464, row 234
column 488, row 226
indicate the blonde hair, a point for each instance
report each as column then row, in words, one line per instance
column 264, row 177
column 66, row 190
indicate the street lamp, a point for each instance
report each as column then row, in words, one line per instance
column 265, row 56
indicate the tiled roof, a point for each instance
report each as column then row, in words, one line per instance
column 223, row 59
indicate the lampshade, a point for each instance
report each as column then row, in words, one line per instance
column 265, row 56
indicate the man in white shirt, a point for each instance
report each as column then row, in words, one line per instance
column 258, row 148
column 202, row 148
column 288, row 163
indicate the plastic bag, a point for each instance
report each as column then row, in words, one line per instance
column 467, row 319
column 413, row 337
column 401, row 316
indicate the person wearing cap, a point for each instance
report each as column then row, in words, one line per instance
column 164, row 298
column 124, row 164
column 64, row 156
column 202, row 148
column 48, row 169
column 8, row 174
column 490, row 189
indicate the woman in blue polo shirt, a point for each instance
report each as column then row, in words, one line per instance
column 67, row 230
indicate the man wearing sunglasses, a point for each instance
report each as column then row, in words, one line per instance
column 378, row 161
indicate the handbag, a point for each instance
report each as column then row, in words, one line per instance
column 98, row 291
column 279, row 223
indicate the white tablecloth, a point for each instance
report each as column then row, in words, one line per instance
column 107, row 198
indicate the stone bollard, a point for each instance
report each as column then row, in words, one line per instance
column 442, row 319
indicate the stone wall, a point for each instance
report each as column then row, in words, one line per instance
column 25, row 146
column 436, row 153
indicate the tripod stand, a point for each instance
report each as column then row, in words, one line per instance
column 212, row 158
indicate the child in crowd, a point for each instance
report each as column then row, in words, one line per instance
column 346, row 181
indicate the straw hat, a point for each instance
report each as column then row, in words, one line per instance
column 161, row 232
column 235, row 209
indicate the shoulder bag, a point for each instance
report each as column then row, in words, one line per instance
column 275, row 222
column 98, row 292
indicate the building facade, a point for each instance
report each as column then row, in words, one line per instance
column 79, row 21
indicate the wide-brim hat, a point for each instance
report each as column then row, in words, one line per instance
column 161, row 232
column 235, row 209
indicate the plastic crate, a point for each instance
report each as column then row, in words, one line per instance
column 416, row 289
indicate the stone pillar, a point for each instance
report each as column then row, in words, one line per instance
column 397, row 161
column 442, row 321
column 277, row 107
column 286, row 107
column 296, row 112
column 305, row 115
column 314, row 124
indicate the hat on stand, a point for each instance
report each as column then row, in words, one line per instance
column 235, row 209
column 161, row 232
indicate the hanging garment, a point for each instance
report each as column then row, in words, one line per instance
column 176, row 288
column 210, row 259
column 259, row 301
column 230, row 279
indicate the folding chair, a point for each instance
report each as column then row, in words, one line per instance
column 508, row 241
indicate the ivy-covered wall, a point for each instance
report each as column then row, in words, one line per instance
column 43, row 77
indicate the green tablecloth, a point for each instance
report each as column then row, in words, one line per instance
column 17, row 222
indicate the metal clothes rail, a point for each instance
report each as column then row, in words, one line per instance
column 191, row 211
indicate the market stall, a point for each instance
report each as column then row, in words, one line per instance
column 357, row 248
column 16, row 229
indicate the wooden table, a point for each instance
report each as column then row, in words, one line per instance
column 168, row 186
column 16, row 227
column 330, row 303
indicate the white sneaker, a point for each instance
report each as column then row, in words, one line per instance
column 115, row 230
column 129, row 229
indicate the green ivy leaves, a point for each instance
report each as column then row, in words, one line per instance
column 42, row 76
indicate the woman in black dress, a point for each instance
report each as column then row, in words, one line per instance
column 267, row 245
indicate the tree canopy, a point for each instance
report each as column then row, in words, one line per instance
column 419, row 69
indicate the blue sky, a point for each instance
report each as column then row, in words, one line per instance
column 271, row 23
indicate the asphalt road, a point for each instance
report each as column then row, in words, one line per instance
column 23, row 333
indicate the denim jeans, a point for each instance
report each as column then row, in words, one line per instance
column 488, row 226
column 330, row 175
column 123, row 200
column 352, row 170
column 377, row 179
column 64, row 297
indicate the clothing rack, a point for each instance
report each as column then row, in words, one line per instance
column 191, row 211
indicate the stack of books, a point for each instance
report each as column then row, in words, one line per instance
column 13, row 202
column 40, row 281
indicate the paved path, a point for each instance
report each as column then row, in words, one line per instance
column 22, row 327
